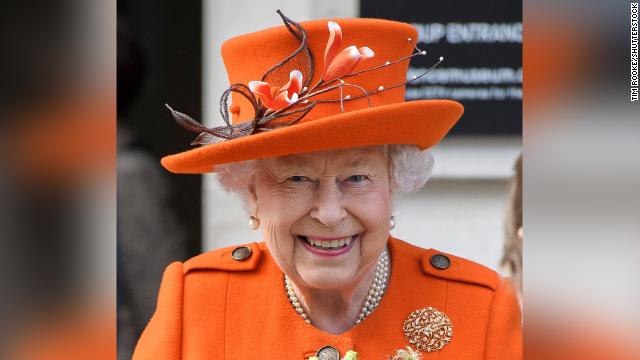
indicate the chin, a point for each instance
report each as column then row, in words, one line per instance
column 328, row 278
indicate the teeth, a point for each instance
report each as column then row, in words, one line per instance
column 330, row 244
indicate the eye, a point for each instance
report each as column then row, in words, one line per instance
column 357, row 178
column 297, row 178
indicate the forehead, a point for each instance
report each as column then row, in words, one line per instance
column 351, row 157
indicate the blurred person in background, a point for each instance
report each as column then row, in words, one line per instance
column 318, row 142
column 149, row 235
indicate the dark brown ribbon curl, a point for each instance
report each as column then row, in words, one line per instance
column 264, row 119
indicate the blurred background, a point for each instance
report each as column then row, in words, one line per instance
column 58, row 171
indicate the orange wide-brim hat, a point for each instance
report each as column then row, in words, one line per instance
column 318, row 85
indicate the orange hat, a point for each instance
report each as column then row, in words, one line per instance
column 317, row 85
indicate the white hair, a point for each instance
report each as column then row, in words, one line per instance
column 409, row 170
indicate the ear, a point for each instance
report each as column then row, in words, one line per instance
column 390, row 182
column 253, row 197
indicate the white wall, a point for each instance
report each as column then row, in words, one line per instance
column 459, row 211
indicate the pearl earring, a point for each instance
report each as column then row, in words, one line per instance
column 392, row 222
column 254, row 223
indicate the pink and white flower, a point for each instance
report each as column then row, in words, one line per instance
column 338, row 63
column 276, row 98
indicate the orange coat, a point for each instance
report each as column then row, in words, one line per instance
column 214, row 307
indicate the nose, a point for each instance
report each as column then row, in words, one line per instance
column 328, row 207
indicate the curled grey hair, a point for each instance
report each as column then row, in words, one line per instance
column 409, row 171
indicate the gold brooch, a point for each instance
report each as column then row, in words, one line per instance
column 428, row 329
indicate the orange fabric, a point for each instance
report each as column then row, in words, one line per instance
column 422, row 122
column 214, row 308
column 248, row 57
column 390, row 120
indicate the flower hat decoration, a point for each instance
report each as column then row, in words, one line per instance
column 355, row 100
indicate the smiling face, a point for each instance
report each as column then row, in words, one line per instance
column 338, row 200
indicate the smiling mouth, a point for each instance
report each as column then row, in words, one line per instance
column 331, row 244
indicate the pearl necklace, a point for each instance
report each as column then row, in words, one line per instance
column 374, row 296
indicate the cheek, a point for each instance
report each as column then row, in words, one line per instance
column 372, row 207
column 278, row 211
column 372, row 210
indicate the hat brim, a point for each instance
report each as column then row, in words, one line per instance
column 421, row 122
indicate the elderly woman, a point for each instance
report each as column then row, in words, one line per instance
column 317, row 157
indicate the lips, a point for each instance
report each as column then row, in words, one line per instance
column 328, row 243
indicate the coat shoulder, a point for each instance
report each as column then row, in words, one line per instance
column 244, row 257
column 450, row 267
